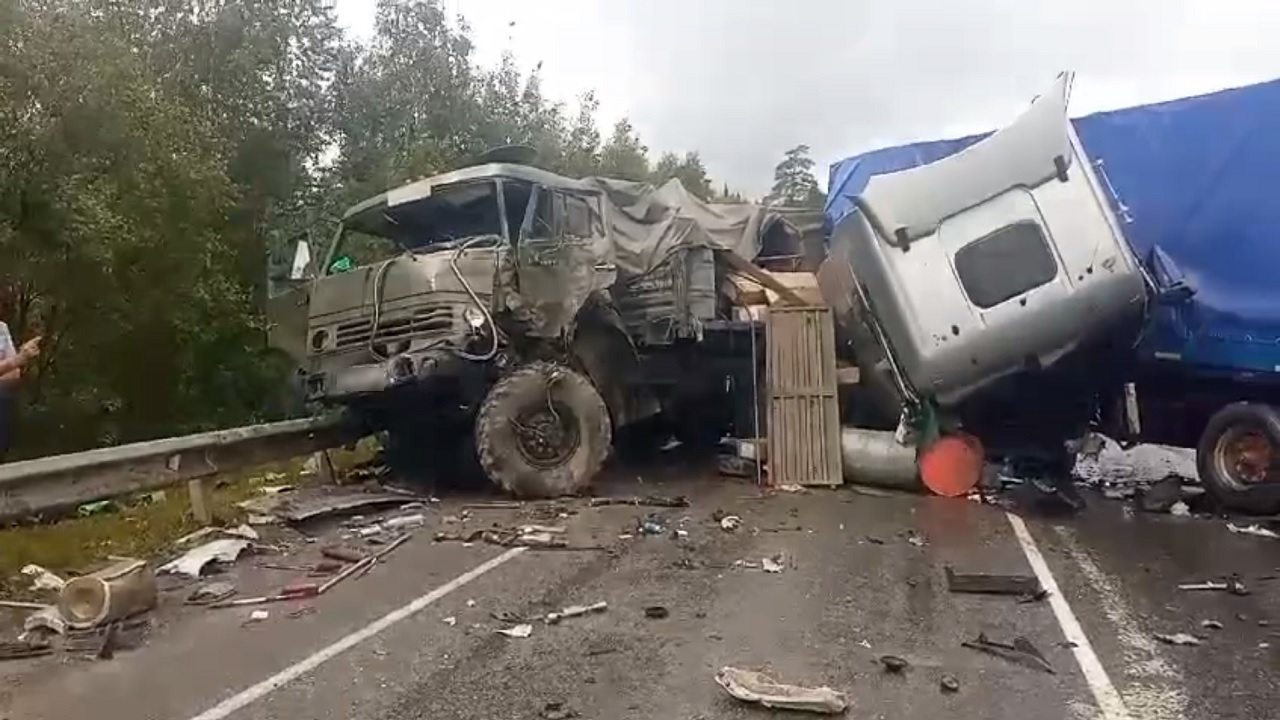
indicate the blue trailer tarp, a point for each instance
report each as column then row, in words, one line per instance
column 1199, row 180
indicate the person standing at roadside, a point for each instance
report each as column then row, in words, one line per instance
column 12, row 361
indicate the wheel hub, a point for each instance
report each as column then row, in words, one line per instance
column 547, row 436
column 1245, row 456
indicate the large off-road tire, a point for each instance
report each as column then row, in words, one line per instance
column 1238, row 458
column 543, row 431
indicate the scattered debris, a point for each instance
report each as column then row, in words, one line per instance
column 730, row 523
column 1119, row 493
column 558, row 711
column 191, row 564
column 42, row 579
column 894, row 664
column 301, row 612
column 1253, row 530
column 756, row 687
column 494, row 505
column 656, row 612
column 1161, row 496
column 1038, row 596
column 523, row 630
column 950, row 684
column 297, row 510
column 96, row 508
column 874, row 540
column 992, row 584
column 10, row 650
column 1178, row 639
column 404, row 522
column 511, row 538
column 1211, row 624
column 648, row 501
column 256, row 519
column 22, row 605
column 652, row 525
column 342, row 554
column 46, row 621
column 917, row 540
column 123, row 589
column 450, row 621
column 211, row 593
column 255, row 617
column 1234, row 585
column 575, row 611
column 1021, row 651
column 242, row 531
column 1180, row 509
column 774, row 564
column 471, row 603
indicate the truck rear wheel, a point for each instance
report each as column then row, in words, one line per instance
column 543, row 431
column 1238, row 458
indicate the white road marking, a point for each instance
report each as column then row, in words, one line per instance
column 1104, row 692
column 307, row 664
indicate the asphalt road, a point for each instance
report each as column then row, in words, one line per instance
column 863, row 577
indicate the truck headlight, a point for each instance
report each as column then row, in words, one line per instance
column 474, row 318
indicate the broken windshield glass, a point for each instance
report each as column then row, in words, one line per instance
column 447, row 214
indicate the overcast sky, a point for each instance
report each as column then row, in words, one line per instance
column 741, row 81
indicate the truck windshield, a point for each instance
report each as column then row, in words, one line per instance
column 449, row 213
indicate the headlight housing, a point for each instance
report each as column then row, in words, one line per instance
column 474, row 318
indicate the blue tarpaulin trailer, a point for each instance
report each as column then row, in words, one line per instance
column 1195, row 182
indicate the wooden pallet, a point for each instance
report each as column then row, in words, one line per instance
column 804, row 412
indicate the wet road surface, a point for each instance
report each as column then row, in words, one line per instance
column 863, row 577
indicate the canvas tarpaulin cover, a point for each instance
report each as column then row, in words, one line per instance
column 1196, row 186
column 648, row 223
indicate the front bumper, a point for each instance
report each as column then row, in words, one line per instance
column 406, row 370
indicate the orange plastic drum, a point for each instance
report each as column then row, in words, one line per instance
column 952, row 466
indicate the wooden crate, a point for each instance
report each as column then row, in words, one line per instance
column 804, row 412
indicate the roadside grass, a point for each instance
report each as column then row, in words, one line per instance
column 140, row 526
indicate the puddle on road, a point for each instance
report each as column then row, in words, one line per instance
column 1152, row 688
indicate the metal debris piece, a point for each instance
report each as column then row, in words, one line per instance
column 298, row 510
column 1234, row 585
column 541, row 529
column 1253, row 530
column 730, row 523
column 894, row 664
column 191, row 564
column 1021, row 651
column 211, row 593
column 42, row 579
column 1180, row 509
column 405, row 522
column 1178, row 639
column 47, row 620
column 240, row 531
column 342, row 554
column 17, row 650
column 774, row 564
column 575, row 611
column 756, row 687
column 648, row 500
column 1203, row 586
column 874, row 540
column 255, row 617
column 450, row 621
column 652, row 525
column 1211, row 624
column 510, row 538
column 656, row 612
column 494, row 505
column 917, row 540
column 23, row 605
column 950, row 684
column 523, row 630
column 992, row 584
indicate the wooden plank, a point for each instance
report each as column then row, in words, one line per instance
column 804, row 428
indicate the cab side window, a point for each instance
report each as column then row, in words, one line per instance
column 577, row 217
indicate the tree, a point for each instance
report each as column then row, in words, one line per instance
column 688, row 169
column 794, row 184
column 623, row 156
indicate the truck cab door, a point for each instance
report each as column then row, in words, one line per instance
column 288, row 303
column 563, row 256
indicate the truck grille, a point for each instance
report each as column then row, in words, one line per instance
column 437, row 320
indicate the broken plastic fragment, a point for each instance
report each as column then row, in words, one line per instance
column 193, row 562
column 43, row 579
column 771, row 565
column 755, row 687
column 1253, row 530
column 730, row 523
column 523, row 630
column 1178, row 639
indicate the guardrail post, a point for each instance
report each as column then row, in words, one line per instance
column 199, row 501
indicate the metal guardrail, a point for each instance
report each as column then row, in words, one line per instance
column 53, row 483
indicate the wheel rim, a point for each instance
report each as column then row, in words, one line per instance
column 1243, row 457
column 548, row 435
